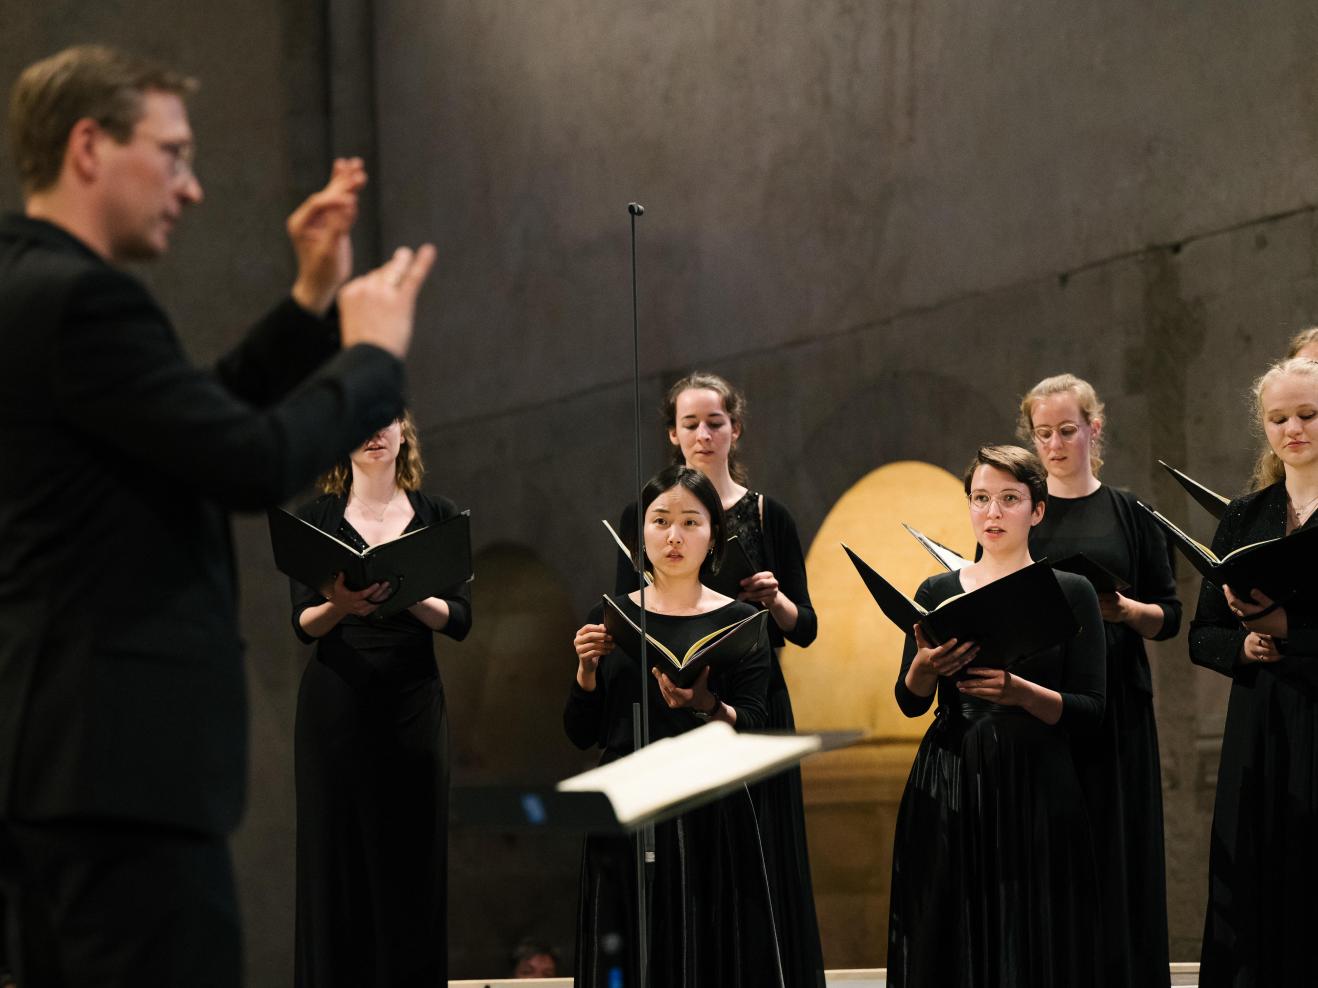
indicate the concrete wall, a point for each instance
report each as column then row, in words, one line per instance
column 884, row 220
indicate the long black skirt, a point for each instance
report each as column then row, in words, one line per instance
column 993, row 876
column 1121, row 776
column 780, row 807
column 710, row 922
column 372, row 831
column 1263, row 859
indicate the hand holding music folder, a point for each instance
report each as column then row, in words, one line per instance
column 1212, row 502
column 1277, row 567
column 1010, row 618
column 417, row 565
column 726, row 646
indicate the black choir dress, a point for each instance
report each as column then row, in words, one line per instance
column 710, row 921
column 1263, row 857
column 993, row 874
column 774, row 545
column 371, row 758
column 1118, row 765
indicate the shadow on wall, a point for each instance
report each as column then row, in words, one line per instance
column 845, row 680
column 505, row 689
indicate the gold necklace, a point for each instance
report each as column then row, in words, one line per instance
column 383, row 511
column 1303, row 511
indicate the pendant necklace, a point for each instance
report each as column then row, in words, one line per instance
column 385, row 508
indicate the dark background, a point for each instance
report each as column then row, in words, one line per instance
column 883, row 219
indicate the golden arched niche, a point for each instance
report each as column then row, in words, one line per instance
column 845, row 680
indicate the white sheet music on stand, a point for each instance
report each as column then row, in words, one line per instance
column 710, row 760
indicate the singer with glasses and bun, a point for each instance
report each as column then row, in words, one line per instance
column 993, row 873
column 710, row 921
column 1263, row 860
column 705, row 417
column 371, row 741
column 1119, row 765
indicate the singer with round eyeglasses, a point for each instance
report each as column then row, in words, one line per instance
column 371, row 742
column 705, row 418
column 1263, row 860
column 1119, row 764
column 993, row 873
column 710, row 920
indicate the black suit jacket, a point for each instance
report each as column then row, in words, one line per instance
column 122, row 694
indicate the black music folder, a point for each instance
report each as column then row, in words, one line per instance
column 417, row 565
column 1212, row 502
column 726, row 646
column 1010, row 618
column 1277, row 567
column 1102, row 578
column 947, row 558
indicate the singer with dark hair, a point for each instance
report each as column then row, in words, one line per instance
column 372, row 742
column 710, row 921
column 993, row 875
column 705, row 417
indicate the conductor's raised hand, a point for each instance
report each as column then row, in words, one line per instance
column 321, row 232
column 356, row 602
column 946, row 659
column 1258, row 612
column 378, row 307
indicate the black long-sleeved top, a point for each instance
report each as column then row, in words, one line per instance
column 782, row 556
column 1216, row 635
column 602, row 717
column 1075, row 669
column 1077, row 524
column 326, row 513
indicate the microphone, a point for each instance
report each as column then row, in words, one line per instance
column 636, row 209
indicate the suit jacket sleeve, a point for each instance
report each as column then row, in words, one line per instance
column 121, row 376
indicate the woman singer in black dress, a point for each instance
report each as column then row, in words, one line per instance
column 1119, row 765
column 993, row 872
column 372, row 743
column 710, row 921
column 1263, row 858
column 704, row 415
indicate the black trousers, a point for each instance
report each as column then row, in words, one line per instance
column 114, row 906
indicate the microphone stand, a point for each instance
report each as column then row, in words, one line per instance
column 645, row 853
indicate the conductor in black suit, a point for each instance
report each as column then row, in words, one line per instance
column 122, row 699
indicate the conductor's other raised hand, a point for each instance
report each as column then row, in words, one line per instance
column 321, row 232
column 379, row 306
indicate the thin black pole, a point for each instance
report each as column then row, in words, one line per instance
column 645, row 856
